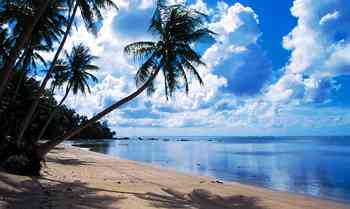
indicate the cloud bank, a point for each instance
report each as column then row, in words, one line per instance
column 242, row 94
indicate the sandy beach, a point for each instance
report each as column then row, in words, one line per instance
column 75, row 179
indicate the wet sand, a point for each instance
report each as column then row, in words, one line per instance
column 79, row 179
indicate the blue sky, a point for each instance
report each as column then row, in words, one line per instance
column 274, row 68
column 275, row 22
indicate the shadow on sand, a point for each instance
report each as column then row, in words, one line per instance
column 86, row 197
column 18, row 192
column 69, row 161
column 32, row 194
column 201, row 199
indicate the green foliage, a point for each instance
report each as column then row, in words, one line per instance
column 91, row 11
column 79, row 67
column 17, row 155
column 22, row 164
column 177, row 27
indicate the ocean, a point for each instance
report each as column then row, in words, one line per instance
column 315, row 166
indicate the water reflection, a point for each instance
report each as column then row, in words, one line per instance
column 310, row 165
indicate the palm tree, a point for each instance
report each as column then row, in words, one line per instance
column 36, row 9
column 27, row 62
column 45, row 33
column 58, row 75
column 177, row 28
column 91, row 14
column 77, row 76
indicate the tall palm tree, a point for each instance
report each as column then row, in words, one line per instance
column 91, row 14
column 36, row 9
column 59, row 75
column 177, row 28
column 77, row 76
column 27, row 62
column 45, row 33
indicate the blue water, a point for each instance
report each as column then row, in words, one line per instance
column 317, row 166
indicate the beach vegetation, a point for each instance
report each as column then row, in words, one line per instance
column 33, row 122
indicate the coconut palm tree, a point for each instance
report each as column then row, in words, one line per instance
column 77, row 76
column 177, row 28
column 47, row 31
column 35, row 10
column 28, row 62
column 91, row 13
column 59, row 75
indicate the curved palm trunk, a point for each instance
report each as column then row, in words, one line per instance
column 41, row 91
column 46, row 147
column 20, row 43
column 53, row 114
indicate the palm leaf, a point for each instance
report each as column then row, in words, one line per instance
column 140, row 50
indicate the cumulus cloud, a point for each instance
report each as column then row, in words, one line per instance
column 235, row 48
column 238, row 93
column 319, row 46
column 132, row 22
column 227, row 58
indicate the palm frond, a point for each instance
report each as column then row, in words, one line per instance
column 140, row 50
column 145, row 71
column 184, row 77
column 177, row 27
column 187, row 65
column 91, row 12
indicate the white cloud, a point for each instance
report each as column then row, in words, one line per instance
column 117, row 73
column 329, row 17
column 320, row 50
column 317, row 55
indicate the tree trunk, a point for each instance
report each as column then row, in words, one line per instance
column 52, row 115
column 19, row 83
column 41, row 91
column 20, row 43
column 25, row 58
column 46, row 147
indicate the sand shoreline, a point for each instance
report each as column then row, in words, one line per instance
column 77, row 178
column 213, row 178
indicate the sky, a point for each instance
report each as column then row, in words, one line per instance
column 274, row 68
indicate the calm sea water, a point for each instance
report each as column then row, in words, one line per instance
column 317, row 166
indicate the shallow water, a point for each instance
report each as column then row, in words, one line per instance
column 317, row 166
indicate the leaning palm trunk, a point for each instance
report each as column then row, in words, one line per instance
column 53, row 114
column 41, row 91
column 22, row 75
column 20, row 44
column 46, row 147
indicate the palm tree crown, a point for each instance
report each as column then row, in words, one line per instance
column 78, row 67
column 75, row 73
column 47, row 31
column 177, row 28
column 91, row 11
